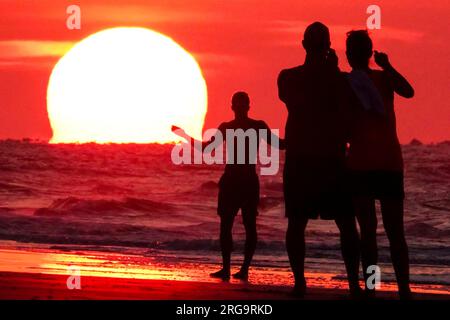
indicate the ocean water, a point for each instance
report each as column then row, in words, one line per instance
column 131, row 200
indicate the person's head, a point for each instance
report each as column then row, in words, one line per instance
column 316, row 39
column 359, row 48
column 240, row 103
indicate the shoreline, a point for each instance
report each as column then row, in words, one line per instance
column 36, row 286
column 42, row 274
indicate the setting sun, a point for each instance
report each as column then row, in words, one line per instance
column 125, row 85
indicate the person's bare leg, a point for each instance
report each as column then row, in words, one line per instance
column 367, row 219
column 295, row 245
column 392, row 213
column 226, row 245
column 350, row 252
column 249, row 221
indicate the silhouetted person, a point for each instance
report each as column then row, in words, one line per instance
column 239, row 185
column 314, row 170
column 375, row 157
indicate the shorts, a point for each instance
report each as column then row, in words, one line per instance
column 377, row 184
column 238, row 192
column 316, row 188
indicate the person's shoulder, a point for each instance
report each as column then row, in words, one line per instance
column 377, row 72
column 381, row 78
column 290, row 72
column 226, row 125
column 258, row 124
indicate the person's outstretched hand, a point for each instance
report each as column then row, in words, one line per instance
column 382, row 60
column 178, row 131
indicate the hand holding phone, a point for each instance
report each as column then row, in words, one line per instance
column 382, row 59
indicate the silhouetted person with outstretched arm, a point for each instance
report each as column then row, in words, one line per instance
column 375, row 157
column 314, row 172
column 239, row 185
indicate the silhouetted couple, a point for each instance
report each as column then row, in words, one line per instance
column 328, row 110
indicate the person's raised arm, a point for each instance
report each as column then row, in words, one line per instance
column 215, row 140
column 401, row 86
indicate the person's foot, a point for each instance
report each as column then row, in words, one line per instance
column 241, row 275
column 356, row 293
column 299, row 290
column 405, row 295
column 221, row 274
column 369, row 294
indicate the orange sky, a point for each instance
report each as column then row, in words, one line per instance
column 240, row 45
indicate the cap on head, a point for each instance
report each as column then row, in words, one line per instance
column 359, row 47
column 240, row 101
column 316, row 38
